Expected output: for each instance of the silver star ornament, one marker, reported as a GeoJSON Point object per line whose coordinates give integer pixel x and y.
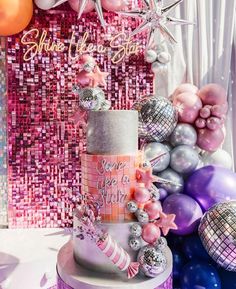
{"type": "Point", "coordinates": [155, 16]}
{"type": "Point", "coordinates": [82, 5]}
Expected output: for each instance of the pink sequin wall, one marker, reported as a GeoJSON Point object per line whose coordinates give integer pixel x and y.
{"type": "Point", "coordinates": [44, 146]}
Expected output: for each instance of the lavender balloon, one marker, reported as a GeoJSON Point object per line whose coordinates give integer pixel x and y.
{"type": "Point", "coordinates": [188, 213]}
{"type": "Point", "coordinates": [210, 185]}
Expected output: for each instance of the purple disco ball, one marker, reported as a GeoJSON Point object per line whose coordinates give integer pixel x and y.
{"type": "Point", "coordinates": [211, 185]}
{"type": "Point", "coordinates": [217, 231]}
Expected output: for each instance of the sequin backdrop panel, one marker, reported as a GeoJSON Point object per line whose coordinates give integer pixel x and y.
{"type": "Point", "coordinates": [3, 135]}
{"type": "Point", "coordinates": [43, 144]}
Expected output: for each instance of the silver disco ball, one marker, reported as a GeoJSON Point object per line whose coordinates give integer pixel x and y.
{"type": "Point", "coordinates": [91, 98]}
{"type": "Point", "coordinates": [217, 231]}
{"type": "Point", "coordinates": [157, 117]}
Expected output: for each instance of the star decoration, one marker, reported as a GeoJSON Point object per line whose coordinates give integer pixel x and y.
{"type": "Point", "coordinates": [98, 8]}
{"type": "Point", "coordinates": [98, 77]}
{"type": "Point", "coordinates": [59, 2]}
{"type": "Point", "coordinates": [156, 17]}
{"type": "Point", "coordinates": [166, 222]}
{"type": "Point", "coordinates": [146, 177]}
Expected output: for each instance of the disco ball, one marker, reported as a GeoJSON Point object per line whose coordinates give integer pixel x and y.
{"type": "Point", "coordinates": [217, 231]}
{"type": "Point", "coordinates": [91, 98]}
{"type": "Point", "coordinates": [157, 117]}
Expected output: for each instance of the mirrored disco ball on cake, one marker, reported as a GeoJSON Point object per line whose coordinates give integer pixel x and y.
{"type": "Point", "coordinates": [217, 231]}
{"type": "Point", "coordinates": [92, 98]}
{"type": "Point", "coordinates": [157, 117]}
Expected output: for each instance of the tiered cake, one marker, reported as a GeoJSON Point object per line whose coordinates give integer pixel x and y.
{"type": "Point", "coordinates": [109, 175]}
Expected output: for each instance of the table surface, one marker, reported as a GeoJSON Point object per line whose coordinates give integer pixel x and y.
{"type": "Point", "coordinates": [28, 257]}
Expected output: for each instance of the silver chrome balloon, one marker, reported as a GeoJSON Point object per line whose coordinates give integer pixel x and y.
{"type": "Point", "coordinates": [152, 261]}
{"type": "Point", "coordinates": [184, 159]}
{"type": "Point", "coordinates": [176, 181]}
{"type": "Point", "coordinates": [217, 231]}
{"type": "Point", "coordinates": [157, 118]}
{"type": "Point", "coordinates": [183, 134]}
{"type": "Point", "coordinates": [159, 152]}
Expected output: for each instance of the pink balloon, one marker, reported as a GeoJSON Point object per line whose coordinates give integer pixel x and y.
{"type": "Point", "coordinates": [200, 123]}
{"type": "Point", "coordinates": [185, 87]}
{"type": "Point", "coordinates": [83, 78]}
{"type": "Point", "coordinates": [219, 110]}
{"type": "Point", "coordinates": [141, 195]}
{"type": "Point", "coordinates": [188, 106]}
{"type": "Point", "coordinates": [150, 233]}
{"type": "Point", "coordinates": [213, 94]}
{"type": "Point", "coordinates": [214, 123]}
{"type": "Point", "coordinates": [114, 5]}
{"type": "Point", "coordinates": [210, 140]}
{"type": "Point", "coordinates": [153, 209]}
{"type": "Point", "coordinates": [74, 4]}
{"type": "Point", "coordinates": [205, 112]}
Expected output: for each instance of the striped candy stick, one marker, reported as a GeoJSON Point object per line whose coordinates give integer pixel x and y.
{"type": "Point", "coordinates": [118, 256]}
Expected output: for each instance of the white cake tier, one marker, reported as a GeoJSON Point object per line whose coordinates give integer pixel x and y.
{"type": "Point", "coordinates": [113, 132]}
{"type": "Point", "coordinates": [78, 277]}
{"type": "Point", "coordinates": [87, 254]}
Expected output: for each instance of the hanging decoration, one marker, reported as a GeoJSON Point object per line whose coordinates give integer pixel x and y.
{"type": "Point", "coordinates": [156, 17]}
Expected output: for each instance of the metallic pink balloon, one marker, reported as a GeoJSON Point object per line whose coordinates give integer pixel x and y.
{"type": "Point", "coordinates": [114, 5]}
{"type": "Point", "coordinates": [210, 140]}
{"type": "Point", "coordinates": [200, 122]}
{"type": "Point", "coordinates": [211, 185]}
{"type": "Point", "coordinates": [213, 94]}
{"type": "Point", "coordinates": [219, 110]}
{"type": "Point", "coordinates": [213, 123]}
{"type": "Point", "coordinates": [153, 209]}
{"type": "Point", "coordinates": [75, 4]}
{"type": "Point", "coordinates": [150, 233]}
{"type": "Point", "coordinates": [188, 106]}
{"type": "Point", "coordinates": [83, 78]}
{"type": "Point", "coordinates": [205, 112]}
{"type": "Point", "coordinates": [187, 211]}
{"type": "Point", "coordinates": [185, 87]}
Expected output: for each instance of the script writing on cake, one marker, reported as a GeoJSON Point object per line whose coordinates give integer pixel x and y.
{"type": "Point", "coordinates": [38, 42]}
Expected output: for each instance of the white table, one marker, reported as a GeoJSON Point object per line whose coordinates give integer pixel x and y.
{"type": "Point", "coordinates": [28, 257]}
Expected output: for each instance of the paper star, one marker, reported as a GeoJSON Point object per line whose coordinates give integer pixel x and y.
{"type": "Point", "coordinates": [166, 222]}
{"type": "Point", "coordinates": [146, 177]}
{"type": "Point", "coordinates": [155, 17]}
{"type": "Point", "coordinates": [98, 77]}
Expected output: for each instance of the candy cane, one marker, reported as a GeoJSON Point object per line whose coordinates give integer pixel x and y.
{"type": "Point", "coordinates": [118, 256]}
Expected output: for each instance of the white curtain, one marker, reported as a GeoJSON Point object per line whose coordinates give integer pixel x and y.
{"type": "Point", "coordinates": [204, 52]}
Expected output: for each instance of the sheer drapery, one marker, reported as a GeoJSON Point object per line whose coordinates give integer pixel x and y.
{"type": "Point", "coordinates": [204, 52]}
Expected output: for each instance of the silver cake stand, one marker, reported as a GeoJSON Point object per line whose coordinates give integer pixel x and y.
{"type": "Point", "coordinates": [77, 277]}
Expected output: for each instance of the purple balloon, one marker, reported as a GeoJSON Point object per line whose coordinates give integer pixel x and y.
{"type": "Point", "coordinates": [210, 185]}
{"type": "Point", "coordinates": [163, 193]}
{"type": "Point", "coordinates": [188, 213]}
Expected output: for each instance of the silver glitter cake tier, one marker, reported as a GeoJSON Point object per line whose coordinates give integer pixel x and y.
{"type": "Point", "coordinates": [113, 132]}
